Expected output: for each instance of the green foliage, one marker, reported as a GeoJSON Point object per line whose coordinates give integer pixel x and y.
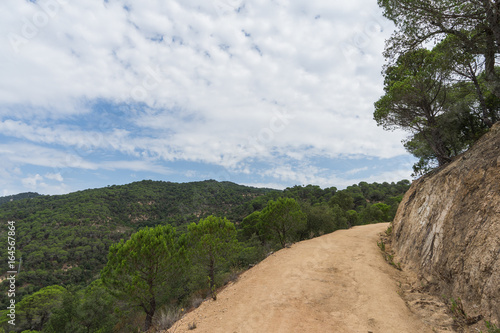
{"type": "Point", "coordinates": [388, 232]}
{"type": "Point", "coordinates": [340, 220]}
{"type": "Point", "coordinates": [252, 251]}
{"type": "Point", "coordinates": [26, 195]}
{"type": "Point", "coordinates": [320, 219]}
{"type": "Point", "coordinates": [214, 247]}
{"type": "Point", "coordinates": [388, 257]}
{"type": "Point", "coordinates": [309, 193]}
{"type": "Point", "coordinates": [283, 220]}
{"type": "Point", "coordinates": [145, 270]}
{"type": "Point", "coordinates": [64, 239]}
{"type": "Point", "coordinates": [251, 225]}
{"type": "Point", "coordinates": [65, 317]}
{"type": "Point", "coordinates": [62, 243]}
{"type": "Point", "coordinates": [343, 199]}
{"type": "Point", "coordinates": [419, 21]}
{"type": "Point", "coordinates": [55, 309]}
{"type": "Point", "coordinates": [457, 309]}
{"type": "Point", "coordinates": [35, 310]}
{"type": "Point", "coordinates": [441, 95]}
{"type": "Point", "coordinates": [353, 218]}
{"type": "Point", "coordinates": [492, 328]}
{"type": "Point", "coordinates": [329, 210]}
{"type": "Point", "coordinates": [96, 308]}
{"type": "Point", "coordinates": [415, 97]}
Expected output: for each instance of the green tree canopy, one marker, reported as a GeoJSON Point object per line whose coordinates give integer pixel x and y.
{"type": "Point", "coordinates": [251, 225]}
{"type": "Point", "coordinates": [88, 310]}
{"type": "Point", "coordinates": [475, 23]}
{"type": "Point", "coordinates": [415, 97]}
{"type": "Point", "coordinates": [284, 220]}
{"type": "Point", "coordinates": [96, 308]}
{"type": "Point", "coordinates": [343, 199]}
{"type": "Point", "coordinates": [144, 269]}
{"type": "Point", "coordinates": [319, 219]}
{"type": "Point", "coordinates": [35, 310]}
{"type": "Point", "coordinates": [442, 96]}
{"type": "Point", "coordinates": [213, 246]}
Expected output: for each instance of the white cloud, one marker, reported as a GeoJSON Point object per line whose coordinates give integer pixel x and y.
{"type": "Point", "coordinates": [26, 153]}
{"type": "Point", "coordinates": [388, 176]}
{"type": "Point", "coordinates": [21, 154]}
{"type": "Point", "coordinates": [135, 166]}
{"type": "Point", "coordinates": [355, 171]}
{"type": "Point", "coordinates": [54, 176]}
{"type": "Point", "coordinates": [276, 186]}
{"type": "Point", "coordinates": [202, 81]}
{"type": "Point", "coordinates": [40, 184]}
{"type": "Point", "coordinates": [32, 181]}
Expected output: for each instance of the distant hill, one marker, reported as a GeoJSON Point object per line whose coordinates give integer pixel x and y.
{"type": "Point", "coordinates": [19, 196]}
{"type": "Point", "coordinates": [64, 239]}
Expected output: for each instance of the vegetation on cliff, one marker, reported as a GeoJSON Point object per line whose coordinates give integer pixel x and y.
{"type": "Point", "coordinates": [447, 96]}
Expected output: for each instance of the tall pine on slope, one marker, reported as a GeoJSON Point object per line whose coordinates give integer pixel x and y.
{"type": "Point", "coordinates": [144, 269]}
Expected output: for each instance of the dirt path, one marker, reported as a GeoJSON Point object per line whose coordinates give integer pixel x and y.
{"type": "Point", "coordinates": [335, 283]}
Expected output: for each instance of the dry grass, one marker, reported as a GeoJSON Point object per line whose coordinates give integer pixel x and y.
{"type": "Point", "coordinates": [192, 326]}
{"type": "Point", "coordinates": [166, 318]}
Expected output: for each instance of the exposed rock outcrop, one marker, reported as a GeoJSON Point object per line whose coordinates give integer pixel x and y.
{"type": "Point", "coordinates": [448, 228]}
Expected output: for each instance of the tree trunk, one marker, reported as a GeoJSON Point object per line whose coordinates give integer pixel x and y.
{"type": "Point", "coordinates": [484, 109]}
{"type": "Point", "coordinates": [435, 140]}
{"type": "Point", "coordinates": [149, 314]}
{"type": "Point", "coordinates": [211, 275]}
{"type": "Point", "coordinates": [493, 16]}
{"type": "Point", "coordinates": [440, 150]}
{"type": "Point", "coordinates": [43, 320]}
{"type": "Point", "coordinates": [283, 235]}
{"type": "Point", "coordinates": [492, 78]}
{"type": "Point", "coordinates": [282, 242]}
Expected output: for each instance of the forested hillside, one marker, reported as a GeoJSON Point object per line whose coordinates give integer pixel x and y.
{"type": "Point", "coordinates": [19, 196]}
{"type": "Point", "coordinates": [64, 240]}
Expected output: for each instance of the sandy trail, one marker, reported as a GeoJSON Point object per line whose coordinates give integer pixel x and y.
{"type": "Point", "coordinates": [335, 283]}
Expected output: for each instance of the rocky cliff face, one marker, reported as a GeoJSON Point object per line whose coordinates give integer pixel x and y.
{"type": "Point", "coordinates": [448, 228]}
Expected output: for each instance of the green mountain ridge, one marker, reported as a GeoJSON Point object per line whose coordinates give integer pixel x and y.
{"type": "Point", "coordinates": [64, 239]}
{"type": "Point", "coordinates": [20, 196]}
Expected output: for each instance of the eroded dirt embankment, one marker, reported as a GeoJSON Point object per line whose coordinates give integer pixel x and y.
{"type": "Point", "coordinates": [335, 283]}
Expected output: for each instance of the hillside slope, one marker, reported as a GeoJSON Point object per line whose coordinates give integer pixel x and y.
{"type": "Point", "coordinates": [338, 282]}
{"type": "Point", "coordinates": [448, 226]}
{"type": "Point", "coordinates": [64, 239]}
{"type": "Point", "coordinates": [20, 196]}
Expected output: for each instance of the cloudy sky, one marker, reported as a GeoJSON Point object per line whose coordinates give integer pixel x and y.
{"type": "Point", "coordinates": [269, 93]}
